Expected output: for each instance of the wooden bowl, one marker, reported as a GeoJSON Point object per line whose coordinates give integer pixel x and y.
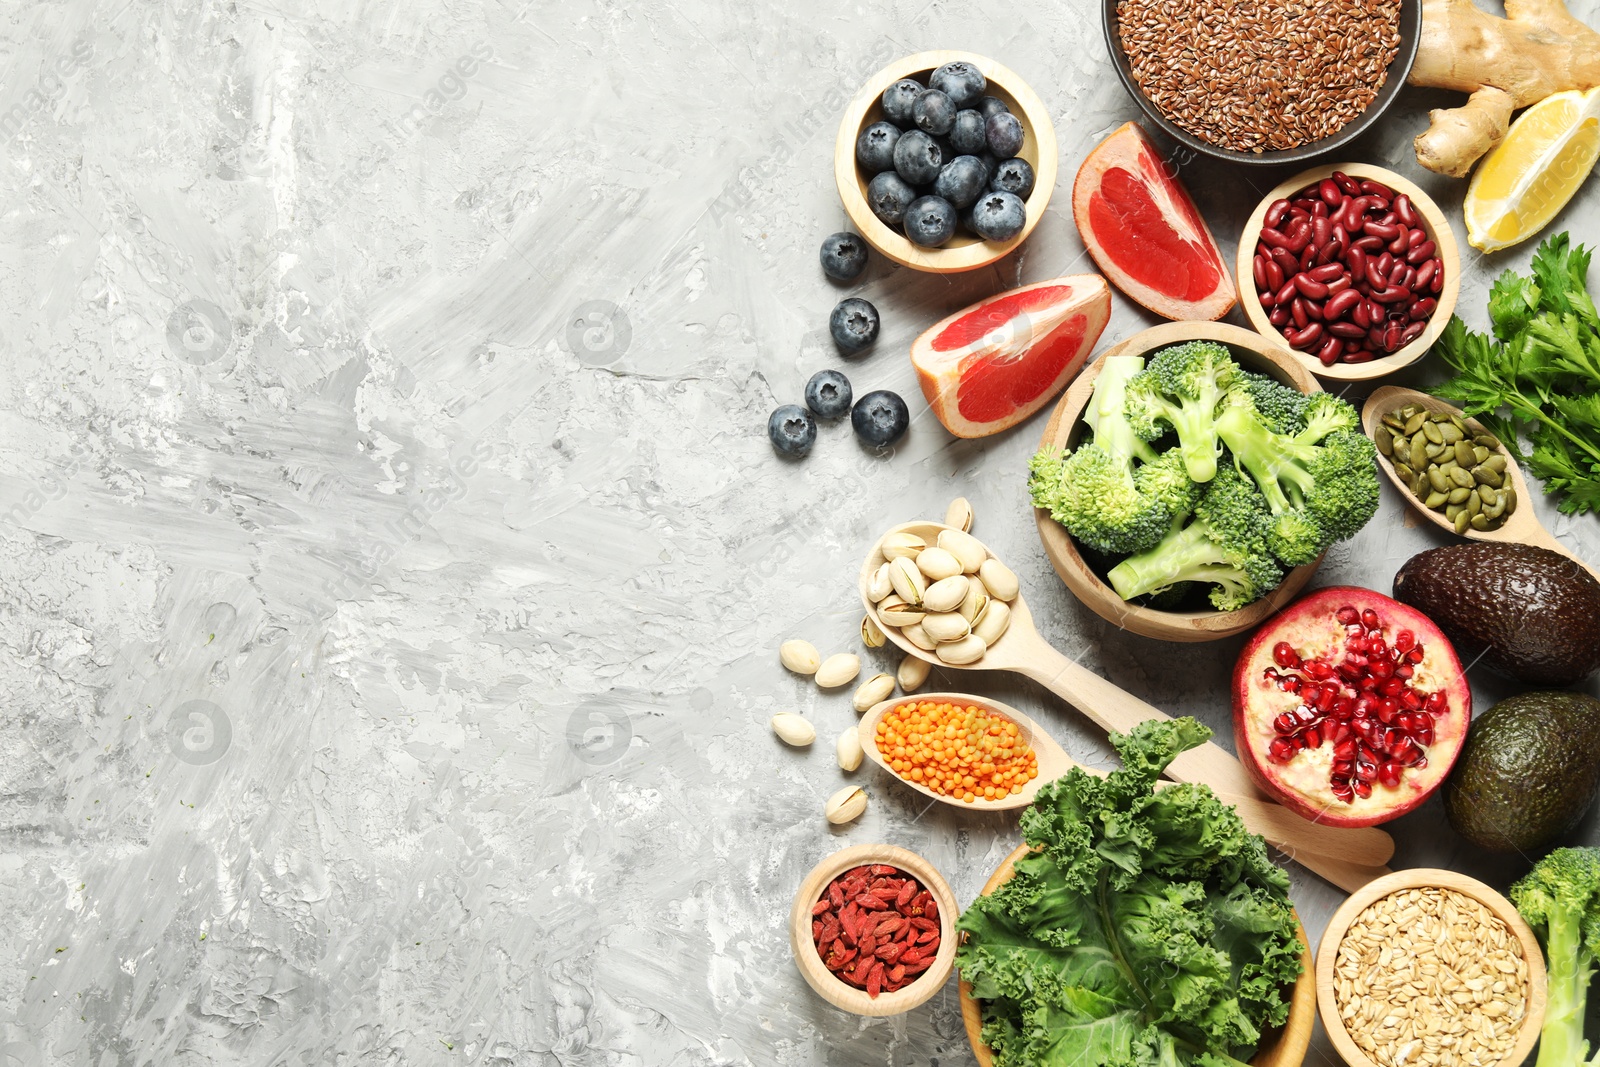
{"type": "Point", "coordinates": [840, 993]}
{"type": "Point", "coordinates": [1254, 353]}
{"type": "Point", "coordinates": [1423, 877]}
{"type": "Point", "coordinates": [963, 251]}
{"type": "Point", "coordinates": [1433, 220]}
{"type": "Point", "coordinates": [1286, 1048]}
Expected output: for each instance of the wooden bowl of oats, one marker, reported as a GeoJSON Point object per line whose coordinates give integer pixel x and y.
{"type": "Point", "coordinates": [1428, 966]}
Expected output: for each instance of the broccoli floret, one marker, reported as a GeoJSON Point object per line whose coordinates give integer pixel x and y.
{"type": "Point", "coordinates": [1318, 493]}
{"type": "Point", "coordinates": [1114, 494]}
{"type": "Point", "coordinates": [1225, 545]}
{"type": "Point", "coordinates": [1560, 898]}
{"type": "Point", "coordinates": [1323, 414]}
{"type": "Point", "coordinates": [1280, 406]}
{"type": "Point", "coordinates": [1182, 388]}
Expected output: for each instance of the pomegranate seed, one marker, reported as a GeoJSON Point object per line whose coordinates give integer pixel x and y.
{"type": "Point", "coordinates": [1389, 774]}
{"type": "Point", "coordinates": [1421, 762]}
{"type": "Point", "coordinates": [1357, 641]}
{"type": "Point", "coordinates": [1281, 750]}
{"type": "Point", "coordinates": [1285, 724]}
{"type": "Point", "coordinates": [1369, 619]}
{"type": "Point", "coordinates": [1386, 713]}
{"type": "Point", "coordinates": [1423, 734]}
{"type": "Point", "coordinates": [1437, 703]}
{"type": "Point", "coordinates": [1342, 791]}
{"type": "Point", "coordinates": [1392, 687]}
{"type": "Point", "coordinates": [1341, 733]}
{"type": "Point", "coordinates": [1365, 771]}
{"type": "Point", "coordinates": [1313, 737]}
{"type": "Point", "coordinates": [1408, 753]}
{"type": "Point", "coordinates": [1347, 615]}
{"type": "Point", "coordinates": [1304, 715]}
{"type": "Point", "coordinates": [1364, 754]}
{"type": "Point", "coordinates": [1415, 655]}
{"type": "Point", "coordinates": [1325, 698]}
{"type": "Point", "coordinates": [1319, 670]}
{"type": "Point", "coordinates": [1362, 789]}
{"type": "Point", "coordinates": [1376, 647]}
{"type": "Point", "coordinates": [1405, 670]}
{"type": "Point", "coordinates": [1343, 768]}
{"type": "Point", "coordinates": [1284, 655]}
{"type": "Point", "coordinates": [1404, 640]}
{"type": "Point", "coordinates": [1291, 684]}
{"type": "Point", "coordinates": [1343, 708]}
{"type": "Point", "coordinates": [1365, 704]}
{"type": "Point", "coordinates": [1381, 668]}
{"type": "Point", "coordinates": [1354, 631]}
{"type": "Point", "coordinates": [1270, 674]}
{"type": "Point", "coordinates": [1344, 749]}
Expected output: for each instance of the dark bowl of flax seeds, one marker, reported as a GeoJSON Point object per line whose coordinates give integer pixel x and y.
{"type": "Point", "coordinates": [1263, 81]}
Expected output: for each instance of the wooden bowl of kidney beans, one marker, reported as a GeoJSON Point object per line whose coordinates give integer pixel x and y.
{"type": "Point", "coordinates": [1353, 267]}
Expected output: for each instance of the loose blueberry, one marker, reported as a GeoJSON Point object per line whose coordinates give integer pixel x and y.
{"type": "Point", "coordinates": [967, 136]}
{"type": "Point", "coordinates": [897, 101]}
{"type": "Point", "coordinates": [880, 418]}
{"type": "Point", "coordinates": [854, 324]}
{"type": "Point", "coordinates": [917, 158]}
{"type": "Point", "coordinates": [1004, 133]}
{"type": "Point", "coordinates": [844, 256]}
{"type": "Point", "coordinates": [1013, 176]}
{"type": "Point", "coordinates": [888, 195]}
{"type": "Point", "coordinates": [961, 82]}
{"type": "Point", "coordinates": [875, 147]}
{"type": "Point", "coordinates": [792, 429]}
{"type": "Point", "coordinates": [828, 394]}
{"type": "Point", "coordinates": [997, 216]}
{"type": "Point", "coordinates": [933, 112]}
{"type": "Point", "coordinates": [961, 181]}
{"type": "Point", "coordinates": [990, 106]}
{"type": "Point", "coordinates": [930, 221]}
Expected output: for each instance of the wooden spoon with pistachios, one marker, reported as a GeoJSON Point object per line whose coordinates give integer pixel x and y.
{"type": "Point", "coordinates": [1519, 524]}
{"type": "Point", "coordinates": [1018, 647]}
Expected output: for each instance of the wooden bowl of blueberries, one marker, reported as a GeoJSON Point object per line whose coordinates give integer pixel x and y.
{"type": "Point", "coordinates": [945, 161]}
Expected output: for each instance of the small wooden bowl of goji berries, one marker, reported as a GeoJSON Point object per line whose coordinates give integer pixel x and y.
{"type": "Point", "coordinates": [873, 930]}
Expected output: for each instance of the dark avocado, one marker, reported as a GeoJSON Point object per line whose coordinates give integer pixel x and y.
{"type": "Point", "coordinates": [1528, 772]}
{"type": "Point", "coordinates": [1527, 612]}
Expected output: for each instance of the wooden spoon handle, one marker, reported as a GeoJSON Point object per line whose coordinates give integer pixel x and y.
{"type": "Point", "coordinates": [1365, 846]}
{"type": "Point", "coordinates": [1539, 536]}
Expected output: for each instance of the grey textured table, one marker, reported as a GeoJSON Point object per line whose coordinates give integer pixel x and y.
{"type": "Point", "coordinates": [394, 560]}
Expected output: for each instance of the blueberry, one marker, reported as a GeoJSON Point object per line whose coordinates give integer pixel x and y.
{"type": "Point", "coordinates": [960, 81]}
{"type": "Point", "coordinates": [1004, 133]}
{"type": "Point", "coordinates": [917, 158]}
{"type": "Point", "coordinates": [897, 101]}
{"type": "Point", "coordinates": [888, 195]}
{"type": "Point", "coordinates": [875, 147]}
{"type": "Point", "coordinates": [961, 181]}
{"type": "Point", "coordinates": [1013, 176]}
{"type": "Point", "coordinates": [828, 394]}
{"type": "Point", "coordinates": [792, 429]}
{"type": "Point", "coordinates": [990, 106]}
{"type": "Point", "coordinates": [880, 418]}
{"type": "Point", "coordinates": [854, 324]}
{"type": "Point", "coordinates": [933, 112]}
{"type": "Point", "coordinates": [930, 221]}
{"type": "Point", "coordinates": [997, 216]}
{"type": "Point", "coordinates": [967, 136]}
{"type": "Point", "coordinates": [844, 256]}
{"type": "Point", "coordinates": [990, 161]}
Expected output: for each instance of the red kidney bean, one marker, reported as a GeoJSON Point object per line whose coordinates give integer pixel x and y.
{"type": "Point", "coordinates": [1369, 242]}
{"type": "Point", "coordinates": [1422, 252]}
{"type": "Point", "coordinates": [1391, 337]}
{"type": "Point", "coordinates": [1424, 275]}
{"type": "Point", "coordinates": [1303, 339]}
{"type": "Point", "coordinates": [1375, 311]}
{"type": "Point", "coordinates": [1327, 272]}
{"type": "Point", "coordinates": [1373, 188]}
{"type": "Point", "coordinates": [1268, 298]}
{"type": "Point", "coordinates": [1358, 356]}
{"type": "Point", "coordinates": [1398, 246]}
{"type": "Point", "coordinates": [1375, 275]}
{"type": "Point", "coordinates": [1275, 277]}
{"type": "Point", "coordinates": [1397, 275]}
{"type": "Point", "coordinates": [1273, 237]}
{"type": "Point", "coordinates": [1321, 231]}
{"type": "Point", "coordinates": [1356, 260]}
{"type": "Point", "coordinates": [1330, 192]}
{"type": "Point", "coordinates": [1410, 280]}
{"type": "Point", "coordinates": [1360, 315]}
{"type": "Point", "coordinates": [1348, 185]}
{"type": "Point", "coordinates": [1339, 284]}
{"type": "Point", "coordinates": [1412, 332]}
{"type": "Point", "coordinates": [1297, 312]}
{"type": "Point", "coordinates": [1313, 309]}
{"type": "Point", "coordinates": [1375, 337]}
{"type": "Point", "coordinates": [1258, 269]}
{"type": "Point", "coordinates": [1275, 212]}
{"type": "Point", "coordinates": [1415, 238]}
{"type": "Point", "coordinates": [1279, 317]}
{"type": "Point", "coordinates": [1390, 296]}
{"type": "Point", "coordinates": [1437, 284]}
{"type": "Point", "coordinates": [1379, 230]}
{"type": "Point", "coordinates": [1341, 304]}
{"type": "Point", "coordinates": [1407, 213]}
{"type": "Point", "coordinates": [1332, 348]}
{"type": "Point", "coordinates": [1421, 309]}
{"type": "Point", "coordinates": [1308, 258]}
{"type": "Point", "coordinates": [1286, 292]}
{"type": "Point", "coordinates": [1385, 264]}
{"type": "Point", "coordinates": [1348, 331]}
{"type": "Point", "coordinates": [1286, 263]}
{"type": "Point", "coordinates": [1310, 287]}
{"type": "Point", "coordinates": [1319, 210]}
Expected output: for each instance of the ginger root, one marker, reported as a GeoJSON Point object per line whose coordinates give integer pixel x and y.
{"type": "Point", "coordinates": [1505, 63]}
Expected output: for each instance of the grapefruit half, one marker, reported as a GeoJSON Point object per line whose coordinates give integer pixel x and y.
{"type": "Point", "coordinates": [989, 366]}
{"type": "Point", "coordinates": [1143, 230]}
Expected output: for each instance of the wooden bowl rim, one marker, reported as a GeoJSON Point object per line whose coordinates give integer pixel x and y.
{"type": "Point", "coordinates": [1059, 545]}
{"type": "Point", "coordinates": [1295, 1030]}
{"type": "Point", "coordinates": [1434, 221]}
{"type": "Point", "coordinates": [1417, 878]}
{"type": "Point", "coordinates": [848, 997]}
{"type": "Point", "coordinates": [951, 258]}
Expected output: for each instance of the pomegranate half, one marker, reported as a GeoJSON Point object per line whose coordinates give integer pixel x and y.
{"type": "Point", "coordinates": [1143, 230]}
{"type": "Point", "coordinates": [1350, 708]}
{"type": "Point", "coordinates": [994, 363]}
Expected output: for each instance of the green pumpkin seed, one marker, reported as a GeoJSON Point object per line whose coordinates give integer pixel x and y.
{"type": "Point", "coordinates": [1414, 423]}
{"type": "Point", "coordinates": [1487, 440]}
{"type": "Point", "coordinates": [1419, 452]}
{"type": "Point", "coordinates": [1431, 431]}
{"type": "Point", "coordinates": [1385, 441]}
{"type": "Point", "coordinates": [1496, 462]}
{"type": "Point", "coordinates": [1462, 478]}
{"type": "Point", "coordinates": [1436, 498]}
{"type": "Point", "coordinates": [1462, 521]}
{"type": "Point", "coordinates": [1464, 454]}
{"type": "Point", "coordinates": [1437, 479]}
{"type": "Point", "coordinates": [1394, 422]}
{"type": "Point", "coordinates": [1417, 484]}
{"type": "Point", "coordinates": [1488, 494]}
{"type": "Point", "coordinates": [1510, 495]}
{"type": "Point", "coordinates": [1479, 522]}
{"type": "Point", "coordinates": [1451, 433]}
{"type": "Point", "coordinates": [1474, 504]}
{"type": "Point", "coordinates": [1452, 510]}
{"type": "Point", "coordinates": [1495, 510]}
{"type": "Point", "coordinates": [1403, 470]}
{"type": "Point", "coordinates": [1433, 451]}
{"type": "Point", "coordinates": [1457, 495]}
{"type": "Point", "coordinates": [1489, 476]}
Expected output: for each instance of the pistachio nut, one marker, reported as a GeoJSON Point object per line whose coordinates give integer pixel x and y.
{"type": "Point", "coordinates": [874, 690]}
{"type": "Point", "coordinates": [945, 626]}
{"type": "Point", "coordinates": [976, 600]}
{"type": "Point", "coordinates": [871, 632]}
{"type": "Point", "coordinates": [799, 656]}
{"type": "Point", "coordinates": [846, 805]}
{"type": "Point", "coordinates": [947, 593]}
{"type": "Point", "coordinates": [907, 579]}
{"type": "Point", "coordinates": [965, 548]}
{"type": "Point", "coordinates": [879, 586]}
{"type": "Point", "coordinates": [793, 730]}
{"type": "Point", "coordinates": [838, 669]}
{"type": "Point", "coordinates": [919, 637]}
{"type": "Point", "coordinates": [969, 649]}
{"type": "Point", "coordinates": [912, 674]}
{"type": "Point", "coordinates": [959, 514]}
{"type": "Point", "coordinates": [993, 623]}
{"type": "Point", "coordinates": [937, 563]}
{"type": "Point", "coordinates": [899, 614]}
{"type": "Point", "coordinates": [998, 579]}
{"type": "Point", "coordinates": [896, 545]}
{"type": "Point", "coordinates": [849, 751]}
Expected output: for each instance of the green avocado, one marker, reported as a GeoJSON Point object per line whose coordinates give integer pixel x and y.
{"type": "Point", "coordinates": [1528, 772]}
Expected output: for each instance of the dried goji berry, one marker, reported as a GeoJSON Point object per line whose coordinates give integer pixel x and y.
{"type": "Point", "coordinates": [889, 953]}
{"type": "Point", "coordinates": [896, 973]}
{"type": "Point", "coordinates": [888, 926]}
{"type": "Point", "coordinates": [907, 891]}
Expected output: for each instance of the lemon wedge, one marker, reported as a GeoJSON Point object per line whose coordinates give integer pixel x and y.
{"type": "Point", "coordinates": [1530, 176]}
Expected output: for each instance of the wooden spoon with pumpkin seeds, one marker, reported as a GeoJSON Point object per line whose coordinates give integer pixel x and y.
{"type": "Point", "coordinates": [1517, 522]}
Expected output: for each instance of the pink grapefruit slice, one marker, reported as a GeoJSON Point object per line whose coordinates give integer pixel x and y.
{"type": "Point", "coordinates": [1143, 230]}
{"type": "Point", "coordinates": [990, 366]}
